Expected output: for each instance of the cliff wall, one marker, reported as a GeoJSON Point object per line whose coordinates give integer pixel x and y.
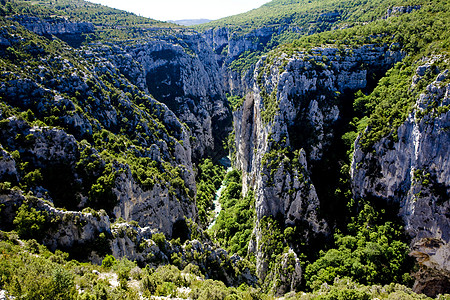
{"type": "Point", "coordinates": [287, 121]}
{"type": "Point", "coordinates": [414, 171]}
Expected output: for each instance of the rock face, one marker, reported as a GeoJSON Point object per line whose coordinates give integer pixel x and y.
{"type": "Point", "coordinates": [414, 171]}
{"type": "Point", "coordinates": [90, 234]}
{"type": "Point", "coordinates": [181, 72]}
{"type": "Point", "coordinates": [70, 32]}
{"type": "Point", "coordinates": [53, 26]}
{"type": "Point", "coordinates": [287, 274]}
{"type": "Point", "coordinates": [398, 10]}
{"type": "Point", "coordinates": [82, 97]}
{"type": "Point", "coordinates": [64, 229]}
{"type": "Point", "coordinates": [286, 121]}
{"type": "Point", "coordinates": [155, 208]}
{"type": "Point", "coordinates": [228, 45]}
{"type": "Point", "coordinates": [51, 149]}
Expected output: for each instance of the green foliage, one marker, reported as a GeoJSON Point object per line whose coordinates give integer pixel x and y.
{"type": "Point", "coordinates": [234, 225]}
{"type": "Point", "coordinates": [163, 281]}
{"type": "Point", "coordinates": [374, 253]}
{"type": "Point", "coordinates": [235, 101]}
{"type": "Point", "coordinates": [245, 61]}
{"type": "Point", "coordinates": [109, 261]}
{"type": "Point", "coordinates": [209, 179]}
{"type": "Point", "coordinates": [270, 101]}
{"type": "Point", "coordinates": [272, 242]}
{"type": "Point", "coordinates": [392, 101]}
{"type": "Point", "coordinates": [110, 24]}
{"type": "Point", "coordinates": [209, 289]}
{"type": "Point", "coordinates": [33, 178]}
{"type": "Point", "coordinates": [160, 240]}
{"type": "Point", "coordinates": [29, 222]}
{"type": "Point", "coordinates": [166, 289]}
{"type": "Point", "coordinates": [345, 288]}
{"type": "Point", "coordinates": [29, 276]}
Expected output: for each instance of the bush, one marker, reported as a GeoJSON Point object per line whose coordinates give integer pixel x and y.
{"type": "Point", "coordinates": [166, 289]}
{"type": "Point", "coordinates": [374, 253]}
{"type": "Point", "coordinates": [160, 240]}
{"type": "Point", "coordinates": [29, 222]}
{"type": "Point", "coordinates": [109, 261]}
{"type": "Point", "coordinates": [211, 290]}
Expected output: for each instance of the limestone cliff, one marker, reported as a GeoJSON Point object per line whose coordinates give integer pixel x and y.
{"type": "Point", "coordinates": [71, 32]}
{"type": "Point", "coordinates": [180, 71]}
{"type": "Point", "coordinates": [413, 170]}
{"type": "Point", "coordinates": [89, 234]}
{"type": "Point", "coordinates": [286, 122]}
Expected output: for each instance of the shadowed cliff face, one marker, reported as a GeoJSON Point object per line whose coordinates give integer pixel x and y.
{"type": "Point", "coordinates": [180, 72]}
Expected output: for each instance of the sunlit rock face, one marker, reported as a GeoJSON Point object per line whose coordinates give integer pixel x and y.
{"type": "Point", "coordinates": [295, 104]}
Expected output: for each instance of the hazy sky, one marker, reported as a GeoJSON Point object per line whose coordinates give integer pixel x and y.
{"type": "Point", "coordinates": [184, 9]}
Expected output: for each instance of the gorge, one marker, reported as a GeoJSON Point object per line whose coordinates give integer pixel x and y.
{"type": "Point", "coordinates": [335, 115]}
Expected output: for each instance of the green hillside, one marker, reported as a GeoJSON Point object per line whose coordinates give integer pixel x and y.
{"type": "Point", "coordinates": [110, 24]}
{"type": "Point", "coordinates": [309, 16]}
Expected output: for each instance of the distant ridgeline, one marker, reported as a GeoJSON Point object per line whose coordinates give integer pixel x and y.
{"type": "Point", "coordinates": [334, 114]}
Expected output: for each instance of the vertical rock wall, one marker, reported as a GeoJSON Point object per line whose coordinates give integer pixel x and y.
{"type": "Point", "coordinates": [286, 121]}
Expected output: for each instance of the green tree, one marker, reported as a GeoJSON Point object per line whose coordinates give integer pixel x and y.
{"type": "Point", "coordinates": [29, 222]}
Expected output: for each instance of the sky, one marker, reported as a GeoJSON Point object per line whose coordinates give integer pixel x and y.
{"type": "Point", "coordinates": [165, 10]}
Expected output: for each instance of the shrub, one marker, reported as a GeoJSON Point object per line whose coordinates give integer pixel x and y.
{"type": "Point", "coordinates": [109, 261]}
{"type": "Point", "coordinates": [29, 222]}
{"type": "Point", "coordinates": [211, 290]}
{"type": "Point", "coordinates": [166, 289]}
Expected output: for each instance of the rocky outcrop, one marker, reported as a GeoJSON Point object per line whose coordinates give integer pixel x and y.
{"type": "Point", "coordinates": [156, 208]}
{"type": "Point", "coordinates": [71, 32]}
{"type": "Point", "coordinates": [287, 274]}
{"type": "Point", "coordinates": [90, 234]}
{"type": "Point", "coordinates": [62, 229]}
{"type": "Point", "coordinates": [398, 10]}
{"type": "Point", "coordinates": [53, 26]}
{"type": "Point", "coordinates": [82, 97]}
{"type": "Point", "coordinates": [8, 170]}
{"type": "Point", "coordinates": [414, 171]}
{"type": "Point", "coordinates": [48, 148]}
{"type": "Point", "coordinates": [287, 121]}
{"type": "Point", "coordinates": [229, 44]}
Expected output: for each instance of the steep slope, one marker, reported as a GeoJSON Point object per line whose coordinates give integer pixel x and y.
{"type": "Point", "coordinates": [285, 125]}
{"type": "Point", "coordinates": [69, 124]}
{"type": "Point", "coordinates": [84, 144]}
{"type": "Point", "coordinates": [411, 167]}
{"type": "Point", "coordinates": [143, 50]}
